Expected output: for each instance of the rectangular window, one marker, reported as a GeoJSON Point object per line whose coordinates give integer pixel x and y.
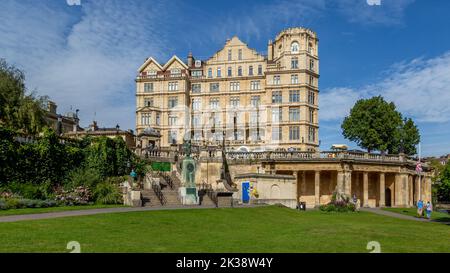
{"type": "Point", "coordinates": [196, 104]}
{"type": "Point", "coordinates": [277, 115]}
{"type": "Point", "coordinates": [311, 97]}
{"type": "Point", "coordinates": [294, 63]}
{"type": "Point", "coordinates": [209, 72]}
{"type": "Point", "coordinates": [148, 87]}
{"type": "Point", "coordinates": [219, 72]}
{"type": "Point", "coordinates": [311, 65]}
{"type": "Point", "coordinates": [234, 102]}
{"type": "Point", "coordinates": [240, 54]}
{"type": "Point", "coordinates": [255, 85]}
{"type": "Point", "coordinates": [196, 120]}
{"type": "Point", "coordinates": [214, 87]}
{"type": "Point", "coordinates": [234, 86]}
{"type": "Point", "coordinates": [311, 80]}
{"type": "Point", "coordinates": [259, 69]}
{"type": "Point", "coordinates": [173, 102]}
{"type": "Point", "coordinates": [214, 103]}
{"type": "Point", "coordinates": [276, 133]}
{"type": "Point", "coordinates": [239, 71]}
{"type": "Point", "coordinates": [255, 101]}
{"type": "Point", "coordinates": [312, 134]}
{"type": "Point", "coordinates": [173, 137]}
{"type": "Point", "coordinates": [175, 72]}
{"type": "Point", "coordinates": [158, 119]}
{"type": "Point", "coordinates": [196, 73]}
{"type": "Point", "coordinates": [173, 86]}
{"type": "Point", "coordinates": [311, 115]}
{"type": "Point", "coordinates": [294, 114]}
{"type": "Point", "coordinates": [294, 79]}
{"type": "Point", "coordinates": [173, 120]}
{"type": "Point", "coordinates": [276, 97]}
{"type": "Point", "coordinates": [276, 79]}
{"type": "Point", "coordinates": [196, 88]}
{"type": "Point", "coordinates": [229, 54]}
{"type": "Point", "coordinates": [254, 117]}
{"type": "Point", "coordinates": [148, 102]}
{"type": "Point", "coordinates": [250, 70]}
{"type": "Point", "coordinates": [294, 133]}
{"type": "Point", "coordinates": [294, 95]}
{"type": "Point", "coordinates": [146, 118]}
{"type": "Point", "coordinates": [230, 72]}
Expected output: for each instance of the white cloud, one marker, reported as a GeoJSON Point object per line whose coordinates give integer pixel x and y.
{"type": "Point", "coordinates": [420, 89]}
{"type": "Point", "coordinates": [84, 56]}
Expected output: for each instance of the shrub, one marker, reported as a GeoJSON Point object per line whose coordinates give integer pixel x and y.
{"type": "Point", "coordinates": [77, 196]}
{"type": "Point", "coordinates": [83, 177]}
{"type": "Point", "coordinates": [339, 203]}
{"type": "Point", "coordinates": [107, 193]}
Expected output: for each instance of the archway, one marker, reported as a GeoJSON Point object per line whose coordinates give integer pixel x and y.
{"type": "Point", "coordinates": [387, 196]}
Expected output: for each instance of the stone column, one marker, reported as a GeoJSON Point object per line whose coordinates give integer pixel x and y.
{"type": "Point", "coordinates": [382, 190]}
{"type": "Point", "coordinates": [303, 186]}
{"type": "Point", "coordinates": [317, 188]}
{"type": "Point", "coordinates": [348, 183]}
{"type": "Point", "coordinates": [340, 182]}
{"type": "Point", "coordinates": [366, 189]}
{"type": "Point", "coordinates": [406, 189]}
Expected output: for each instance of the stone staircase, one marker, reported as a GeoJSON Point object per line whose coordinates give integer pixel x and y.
{"type": "Point", "coordinates": [149, 199]}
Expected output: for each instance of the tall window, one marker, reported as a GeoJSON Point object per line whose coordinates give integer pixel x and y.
{"type": "Point", "coordinates": [148, 87]}
{"type": "Point", "coordinates": [294, 95]}
{"type": "Point", "coordinates": [234, 102]}
{"type": "Point", "coordinates": [173, 137]}
{"type": "Point", "coordinates": [259, 69]}
{"type": "Point", "coordinates": [276, 133]}
{"type": "Point", "coordinates": [312, 134]}
{"type": "Point", "coordinates": [250, 70]}
{"type": "Point", "coordinates": [255, 101]}
{"type": "Point", "coordinates": [294, 63]}
{"type": "Point", "coordinates": [240, 71]}
{"type": "Point", "coordinates": [311, 97]}
{"type": "Point", "coordinates": [229, 71]}
{"type": "Point", "coordinates": [229, 54]}
{"type": "Point", "coordinates": [158, 119]}
{"type": "Point", "coordinates": [196, 104]}
{"type": "Point", "coordinates": [219, 72]}
{"type": "Point", "coordinates": [294, 132]}
{"type": "Point", "coordinates": [209, 72]}
{"type": "Point", "coordinates": [146, 118]}
{"type": "Point", "coordinates": [172, 102]}
{"type": "Point", "coordinates": [294, 47]}
{"type": "Point", "coordinates": [240, 54]}
{"type": "Point", "coordinates": [294, 114]}
{"type": "Point", "coordinates": [277, 97]}
{"type": "Point", "coordinates": [234, 86]}
{"type": "Point", "coordinates": [311, 115]}
{"type": "Point", "coordinates": [255, 85]}
{"type": "Point", "coordinates": [311, 64]}
{"type": "Point", "coordinates": [173, 86]}
{"type": "Point", "coordinates": [294, 79]}
{"type": "Point", "coordinates": [196, 120]}
{"type": "Point", "coordinates": [310, 48]}
{"type": "Point", "coordinates": [277, 115]}
{"type": "Point", "coordinates": [214, 87]}
{"type": "Point", "coordinates": [214, 103]}
{"type": "Point", "coordinates": [148, 102]}
{"type": "Point", "coordinates": [173, 120]}
{"type": "Point", "coordinates": [276, 79]}
{"type": "Point", "coordinates": [311, 80]}
{"type": "Point", "coordinates": [196, 88]}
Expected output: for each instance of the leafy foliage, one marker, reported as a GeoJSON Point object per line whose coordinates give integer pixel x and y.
{"type": "Point", "coordinates": [443, 186]}
{"type": "Point", "coordinates": [107, 193]}
{"type": "Point", "coordinates": [375, 124]}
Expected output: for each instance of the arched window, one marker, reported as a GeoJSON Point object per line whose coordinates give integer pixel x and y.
{"type": "Point", "coordinates": [295, 47]}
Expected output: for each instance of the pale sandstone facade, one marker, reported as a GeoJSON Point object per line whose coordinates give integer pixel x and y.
{"type": "Point", "coordinates": [257, 101]}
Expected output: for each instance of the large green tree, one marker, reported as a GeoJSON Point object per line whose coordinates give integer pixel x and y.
{"type": "Point", "coordinates": [443, 184]}
{"type": "Point", "coordinates": [375, 124]}
{"type": "Point", "coordinates": [19, 110]}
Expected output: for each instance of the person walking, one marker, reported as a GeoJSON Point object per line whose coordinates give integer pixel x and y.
{"type": "Point", "coordinates": [420, 208]}
{"type": "Point", "coordinates": [429, 209]}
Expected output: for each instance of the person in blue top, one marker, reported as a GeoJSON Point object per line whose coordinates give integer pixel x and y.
{"type": "Point", "coordinates": [420, 208]}
{"type": "Point", "coordinates": [133, 174]}
{"type": "Point", "coordinates": [429, 209]}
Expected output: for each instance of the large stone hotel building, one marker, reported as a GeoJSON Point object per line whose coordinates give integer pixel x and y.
{"type": "Point", "coordinates": [258, 102]}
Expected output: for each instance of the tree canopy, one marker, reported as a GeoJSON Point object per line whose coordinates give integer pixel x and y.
{"type": "Point", "coordinates": [375, 124]}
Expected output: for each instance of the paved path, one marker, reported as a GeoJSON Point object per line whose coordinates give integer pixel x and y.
{"type": "Point", "coordinates": [50, 215]}
{"type": "Point", "coordinates": [399, 215]}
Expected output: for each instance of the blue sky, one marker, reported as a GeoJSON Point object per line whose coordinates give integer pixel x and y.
{"type": "Point", "coordinates": [86, 55]}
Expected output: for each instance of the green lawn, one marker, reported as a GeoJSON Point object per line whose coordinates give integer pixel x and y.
{"type": "Point", "coordinates": [438, 216]}
{"type": "Point", "coordinates": [53, 209]}
{"type": "Point", "coordinates": [261, 229]}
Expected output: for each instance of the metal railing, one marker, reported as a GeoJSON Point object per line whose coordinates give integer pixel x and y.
{"type": "Point", "coordinates": [157, 189]}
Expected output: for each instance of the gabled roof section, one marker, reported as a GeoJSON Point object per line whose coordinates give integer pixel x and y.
{"type": "Point", "coordinates": [147, 62]}
{"type": "Point", "coordinates": [234, 42]}
{"type": "Point", "coordinates": [174, 59]}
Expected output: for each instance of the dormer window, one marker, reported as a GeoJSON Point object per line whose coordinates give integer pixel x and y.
{"type": "Point", "coordinates": [198, 63]}
{"type": "Point", "coordinates": [295, 47]}
{"type": "Point", "coordinates": [175, 72]}
{"type": "Point", "coordinates": [151, 73]}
